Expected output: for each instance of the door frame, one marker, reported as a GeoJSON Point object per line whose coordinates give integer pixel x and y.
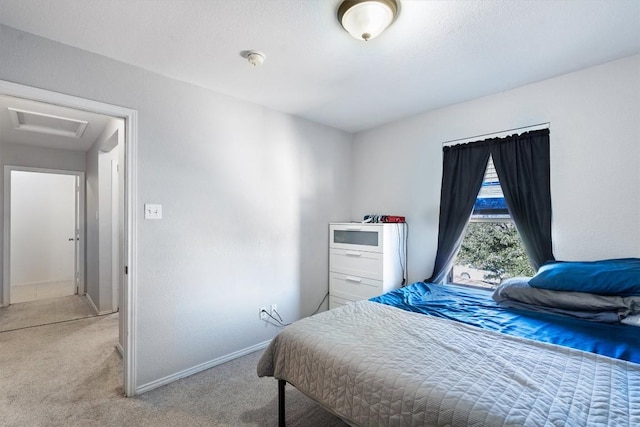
{"type": "Point", "coordinates": [130, 116]}
{"type": "Point", "coordinates": [79, 255]}
{"type": "Point", "coordinates": [116, 260]}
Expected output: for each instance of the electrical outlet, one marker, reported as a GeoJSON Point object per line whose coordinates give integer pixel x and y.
{"type": "Point", "coordinates": [274, 308]}
{"type": "Point", "coordinates": [263, 313]}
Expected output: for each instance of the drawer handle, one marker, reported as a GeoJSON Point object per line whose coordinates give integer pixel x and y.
{"type": "Point", "coordinates": [353, 279]}
{"type": "Point", "coordinates": [353, 253]}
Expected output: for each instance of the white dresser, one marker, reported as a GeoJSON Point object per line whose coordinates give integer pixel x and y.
{"type": "Point", "coordinates": [365, 260]}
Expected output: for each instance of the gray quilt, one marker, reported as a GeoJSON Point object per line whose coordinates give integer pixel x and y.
{"type": "Point", "coordinates": [375, 365]}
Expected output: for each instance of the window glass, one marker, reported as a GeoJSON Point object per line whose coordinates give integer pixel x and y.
{"type": "Point", "coordinates": [491, 250]}
{"type": "Point", "coordinates": [490, 203]}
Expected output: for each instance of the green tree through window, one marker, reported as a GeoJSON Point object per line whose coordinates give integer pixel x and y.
{"type": "Point", "coordinates": [496, 249]}
{"type": "Point", "coordinates": [492, 250]}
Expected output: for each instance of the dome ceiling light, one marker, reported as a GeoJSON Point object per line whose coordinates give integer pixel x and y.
{"type": "Point", "coordinates": [367, 19]}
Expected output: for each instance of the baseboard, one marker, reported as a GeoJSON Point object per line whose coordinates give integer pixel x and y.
{"type": "Point", "coordinates": [37, 291]}
{"type": "Point", "coordinates": [44, 283]}
{"type": "Point", "coordinates": [95, 308]}
{"type": "Point", "coordinates": [120, 350]}
{"type": "Point", "coordinates": [199, 368]}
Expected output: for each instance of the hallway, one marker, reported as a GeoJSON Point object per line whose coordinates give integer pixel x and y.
{"type": "Point", "coordinates": [44, 312]}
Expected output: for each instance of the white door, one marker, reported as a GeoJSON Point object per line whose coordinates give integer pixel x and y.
{"type": "Point", "coordinates": [43, 236]}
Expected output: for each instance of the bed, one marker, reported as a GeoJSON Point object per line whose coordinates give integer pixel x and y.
{"type": "Point", "coordinates": [400, 360]}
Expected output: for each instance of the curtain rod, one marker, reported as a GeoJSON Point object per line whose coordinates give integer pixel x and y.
{"type": "Point", "coordinates": [545, 125]}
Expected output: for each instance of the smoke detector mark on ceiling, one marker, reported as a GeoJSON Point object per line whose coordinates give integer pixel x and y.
{"type": "Point", "coordinates": [255, 58]}
{"type": "Point", "coordinates": [47, 123]}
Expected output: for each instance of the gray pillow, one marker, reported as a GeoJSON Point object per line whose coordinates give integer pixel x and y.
{"type": "Point", "coordinates": [591, 316]}
{"type": "Point", "coordinates": [518, 289]}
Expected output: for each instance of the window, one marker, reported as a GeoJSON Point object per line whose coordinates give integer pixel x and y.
{"type": "Point", "coordinates": [491, 249]}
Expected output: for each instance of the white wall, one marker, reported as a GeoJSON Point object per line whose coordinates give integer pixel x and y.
{"type": "Point", "coordinates": [595, 161]}
{"type": "Point", "coordinates": [107, 223]}
{"type": "Point", "coordinates": [39, 157]}
{"type": "Point", "coordinates": [247, 194]}
{"type": "Point", "coordinates": [99, 216]}
{"type": "Point", "coordinates": [92, 278]}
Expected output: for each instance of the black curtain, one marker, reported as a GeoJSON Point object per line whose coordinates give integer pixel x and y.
{"type": "Point", "coordinates": [522, 164]}
{"type": "Point", "coordinates": [463, 168]}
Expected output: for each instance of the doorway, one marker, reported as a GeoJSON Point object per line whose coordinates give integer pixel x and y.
{"type": "Point", "coordinates": [127, 224]}
{"type": "Point", "coordinates": [45, 234]}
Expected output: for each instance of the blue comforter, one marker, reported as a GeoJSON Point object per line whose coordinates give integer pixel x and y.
{"type": "Point", "coordinates": [476, 307]}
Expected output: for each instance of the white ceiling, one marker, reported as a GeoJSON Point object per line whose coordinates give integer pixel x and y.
{"type": "Point", "coordinates": [436, 54]}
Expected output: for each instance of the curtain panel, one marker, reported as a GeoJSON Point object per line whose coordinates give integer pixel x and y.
{"type": "Point", "coordinates": [523, 166]}
{"type": "Point", "coordinates": [463, 169]}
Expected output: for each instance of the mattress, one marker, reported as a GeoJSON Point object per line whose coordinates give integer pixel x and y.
{"type": "Point", "coordinates": [476, 307]}
{"type": "Point", "coordinates": [373, 364]}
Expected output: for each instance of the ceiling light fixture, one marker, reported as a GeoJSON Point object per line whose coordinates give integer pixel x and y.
{"type": "Point", "coordinates": [367, 19]}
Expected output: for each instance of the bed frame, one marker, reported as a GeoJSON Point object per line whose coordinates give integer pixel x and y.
{"type": "Point", "coordinates": [372, 364]}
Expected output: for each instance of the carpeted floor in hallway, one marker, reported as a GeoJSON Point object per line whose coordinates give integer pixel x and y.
{"type": "Point", "coordinates": [70, 374]}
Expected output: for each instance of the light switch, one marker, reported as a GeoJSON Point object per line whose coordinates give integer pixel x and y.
{"type": "Point", "coordinates": [152, 211]}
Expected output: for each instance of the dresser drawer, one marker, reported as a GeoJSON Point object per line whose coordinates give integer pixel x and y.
{"type": "Point", "coordinates": [359, 237]}
{"type": "Point", "coordinates": [353, 288]}
{"type": "Point", "coordinates": [335, 302]}
{"type": "Point", "coordinates": [356, 263]}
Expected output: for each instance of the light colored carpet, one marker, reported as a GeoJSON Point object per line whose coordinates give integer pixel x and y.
{"type": "Point", "coordinates": [44, 312]}
{"type": "Point", "coordinates": [69, 374]}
